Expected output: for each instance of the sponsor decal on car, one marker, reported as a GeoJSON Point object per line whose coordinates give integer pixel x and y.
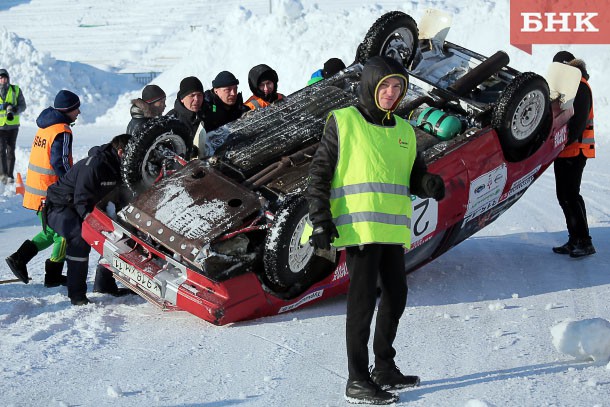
{"type": "Point", "coordinates": [340, 272]}
{"type": "Point", "coordinates": [485, 192]}
{"type": "Point", "coordinates": [521, 184]}
{"type": "Point", "coordinates": [560, 136]}
{"type": "Point", "coordinates": [309, 297]}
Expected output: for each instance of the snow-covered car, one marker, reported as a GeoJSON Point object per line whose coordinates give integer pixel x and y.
{"type": "Point", "coordinates": [224, 237]}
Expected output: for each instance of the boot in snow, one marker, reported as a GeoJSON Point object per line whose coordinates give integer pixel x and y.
{"type": "Point", "coordinates": [582, 247]}
{"type": "Point", "coordinates": [393, 379]}
{"type": "Point", "coordinates": [367, 392]}
{"type": "Point", "coordinates": [18, 261]}
{"type": "Point", "coordinates": [565, 248]}
{"type": "Point", "coordinates": [53, 276]}
{"type": "Point", "coordinates": [106, 284]}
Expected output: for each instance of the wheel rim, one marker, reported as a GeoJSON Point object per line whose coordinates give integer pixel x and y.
{"type": "Point", "coordinates": [157, 154]}
{"type": "Point", "coordinates": [399, 45]}
{"type": "Point", "coordinates": [528, 115]}
{"type": "Point", "coordinates": [299, 255]}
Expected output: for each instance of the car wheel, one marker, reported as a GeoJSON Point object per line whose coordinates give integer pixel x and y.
{"type": "Point", "coordinates": [150, 148]}
{"type": "Point", "coordinates": [291, 264]}
{"type": "Point", "coordinates": [394, 34]}
{"type": "Point", "coordinates": [521, 114]}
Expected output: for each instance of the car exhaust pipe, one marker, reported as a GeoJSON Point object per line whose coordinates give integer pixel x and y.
{"type": "Point", "coordinates": [480, 73]}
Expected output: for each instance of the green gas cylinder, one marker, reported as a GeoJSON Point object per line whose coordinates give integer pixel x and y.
{"type": "Point", "coordinates": [439, 123]}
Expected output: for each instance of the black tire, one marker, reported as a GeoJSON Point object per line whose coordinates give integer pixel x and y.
{"type": "Point", "coordinates": [144, 154]}
{"type": "Point", "coordinates": [290, 266]}
{"type": "Point", "coordinates": [521, 115]}
{"type": "Point", "coordinates": [394, 34]}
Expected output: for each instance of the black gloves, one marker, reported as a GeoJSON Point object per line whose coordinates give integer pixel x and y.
{"type": "Point", "coordinates": [433, 186]}
{"type": "Point", "coordinates": [323, 234]}
{"type": "Point", "coordinates": [9, 111]}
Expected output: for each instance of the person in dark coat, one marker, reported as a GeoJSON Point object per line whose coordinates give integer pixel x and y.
{"type": "Point", "coordinates": [188, 104]}
{"type": "Point", "coordinates": [359, 195]}
{"type": "Point", "coordinates": [73, 197]}
{"type": "Point", "coordinates": [12, 104]}
{"type": "Point", "coordinates": [262, 80]}
{"type": "Point", "coordinates": [150, 105]}
{"type": "Point", "coordinates": [331, 67]}
{"type": "Point", "coordinates": [223, 103]}
{"type": "Point", "coordinates": [570, 165]}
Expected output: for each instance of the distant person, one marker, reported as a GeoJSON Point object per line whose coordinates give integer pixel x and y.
{"type": "Point", "coordinates": [150, 105]}
{"type": "Point", "coordinates": [570, 164]}
{"type": "Point", "coordinates": [50, 158]}
{"type": "Point", "coordinates": [262, 80]}
{"type": "Point", "coordinates": [12, 104]}
{"type": "Point", "coordinates": [223, 103]}
{"type": "Point", "coordinates": [72, 198]}
{"type": "Point", "coordinates": [331, 67]}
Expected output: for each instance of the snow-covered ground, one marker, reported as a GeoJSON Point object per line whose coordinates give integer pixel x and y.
{"type": "Point", "coordinates": [487, 324]}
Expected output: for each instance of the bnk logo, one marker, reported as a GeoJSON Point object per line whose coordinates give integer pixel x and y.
{"type": "Point", "coordinates": [559, 22]}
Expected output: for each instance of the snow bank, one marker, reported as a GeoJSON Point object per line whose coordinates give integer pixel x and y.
{"type": "Point", "coordinates": [41, 76]}
{"type": "Point", "coordinates": [588, 339]}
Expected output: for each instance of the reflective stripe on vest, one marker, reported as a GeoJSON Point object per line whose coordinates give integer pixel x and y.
{"type": "Point", "coordinates": [370, 198]}
{"type": "Point", "coordinates": [586, 142]}
{"type": "Point", "coordinates": [40, 172]}
{"type": "Point", "coordinates": [12, 96]}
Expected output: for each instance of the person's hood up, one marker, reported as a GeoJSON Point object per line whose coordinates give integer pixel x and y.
{"type": "Point", "coordinates": [580, 64]}
{"type": "Point", "coordinates": [50, 116]}
{"type": "Point", "coordinates": [261, 73]}
{"type": "Point", "coordinates": [375, 71]}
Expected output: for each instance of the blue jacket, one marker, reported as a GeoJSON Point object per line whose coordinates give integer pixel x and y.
{"type": "Point", "coordinates": [61, 149]}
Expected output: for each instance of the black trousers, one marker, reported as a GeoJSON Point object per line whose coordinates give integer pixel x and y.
{"type": "Point", "coordinates": [67, 223]}
{"type": "Point", "coordinates": [8, 139]}
{"type": "Point", "coordinates": [568, 176]}
{"type": "Point", "coordinates": [364, 267]}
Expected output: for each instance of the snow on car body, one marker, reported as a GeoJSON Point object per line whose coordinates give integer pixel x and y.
{"type": "Point", "coordinates": [225, 237]}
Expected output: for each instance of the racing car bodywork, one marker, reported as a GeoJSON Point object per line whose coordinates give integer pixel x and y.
{"type": "Point", "coordinates": [225, 237]}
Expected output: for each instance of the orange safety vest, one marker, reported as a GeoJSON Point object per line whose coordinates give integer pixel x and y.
{"type": "Point", "coordinates": [587, 140]}
{"type": "Point", "coordinates": [40, 172]}
{"type": "Point", "coordinates": [254, 102]}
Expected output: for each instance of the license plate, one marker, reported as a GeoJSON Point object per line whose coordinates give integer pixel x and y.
{"type": "Point", "coordinates": [134, 274]}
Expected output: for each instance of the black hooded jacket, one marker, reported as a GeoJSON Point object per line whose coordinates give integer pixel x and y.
{"type": "Point", "coordinates": [323, 165]}
{"type": "Point", "coordinates": [257, 75]}
{"type": "Point", "coordinates": [87, 182]}
{"type": "Point", "coordinates": [583, 101]}
{"type": "Point", "coordinates": [216, 113]}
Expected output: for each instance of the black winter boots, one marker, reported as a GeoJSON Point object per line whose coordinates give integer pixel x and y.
{"type": "Point", "coordinates": [576, 247]}
{"type": "Point", "coordinates": [18, 261]}
{"type": "Point", "coordinates": [367, 392]}
{"type": "Point", "coordinates": [106, 284]}
{"type": "Point", "coordinates": [393, 379]}
{"type": "Point", "coordinates": [52, 275]}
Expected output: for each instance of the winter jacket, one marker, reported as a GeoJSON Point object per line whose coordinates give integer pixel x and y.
{"type": "Point", "coordinates": [141, 112]}
{"type": "Point", "coordinates": [581, 124]}
{"type": "Point", "coordinates": [87, 182]}
{"type": "Point", "coordinates": [61, 147]}
{"type": "Point", "coordinates": [11, 94]}
{"type": "Point", "coordinates": [324, 163]}
{"type": "Point", "coordinates": [216, 113]}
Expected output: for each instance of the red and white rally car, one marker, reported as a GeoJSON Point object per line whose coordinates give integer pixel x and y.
{"type": "Point", "coordinates": [224, 237]}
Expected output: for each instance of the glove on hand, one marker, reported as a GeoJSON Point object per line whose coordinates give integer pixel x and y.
{"type": "Point", "coordinates": [323, 235]}
{"type": "Point", "coordinates": [434, 186]}
{"type": "Point", "coordinates": [9, 111]}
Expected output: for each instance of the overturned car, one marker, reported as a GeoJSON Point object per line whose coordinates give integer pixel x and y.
{"type": "Point", "coordinates": [224, 236]}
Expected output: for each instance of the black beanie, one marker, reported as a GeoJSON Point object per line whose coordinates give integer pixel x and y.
{"type": "Point", "coordinates": [331, 67]}
{"type": "Point", "coordinates": [66, 101]}
{"type": "Point", "coordinates": [563, 57]}
{"type": "Point", "coordinates": [224, 79]}
{"type": "Point", "coordinates": [4, 72]}
{"type": "Point", "coordinates": [189, 85]}
{"type": "Point", "coordinates": [152, 94]}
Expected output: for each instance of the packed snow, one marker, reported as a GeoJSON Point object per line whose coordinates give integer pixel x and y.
{"type": "Point", "coordinates": [499, 320]}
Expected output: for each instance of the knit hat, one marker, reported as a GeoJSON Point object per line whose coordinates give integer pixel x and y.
{"type": "Point", "coordinates": [152, 94]}
{"type": "Point", "coordinates": [66, 101]}
{"type": "Point", "coordinates": [4, 72]}
{"type": "Point", "coordinates": [224, 79]}
{"type": "Point", "coordinates": [332, 66]}
{"type": "Point", "coordinates": [189, 85]}
{"type": "Point", "coordinates": [563, 57]}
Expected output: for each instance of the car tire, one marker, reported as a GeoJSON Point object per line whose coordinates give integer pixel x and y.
{"type": "Point", "coordinates": [289, 265]}
{"type": "Point", "coordinates": [521, 115]}
{"type": "Point", "coordinates": [143, 158]}
{"type": "Point", "coordinates": [394, 34]}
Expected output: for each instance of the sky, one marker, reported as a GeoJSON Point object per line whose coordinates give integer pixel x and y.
{"type": "Point", "coordinates": [499, 320]}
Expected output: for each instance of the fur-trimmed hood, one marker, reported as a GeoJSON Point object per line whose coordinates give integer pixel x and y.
{"type": "Point", "coordinates": [140, 109]}
{"type": "Point", "coordinates": [580, 64]}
